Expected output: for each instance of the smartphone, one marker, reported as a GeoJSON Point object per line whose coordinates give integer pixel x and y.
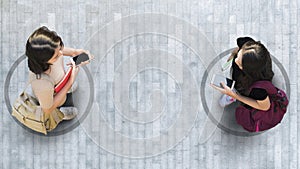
{"type": "Point", "coordinates": [217, 79]}
{"type": "Point", "coordinates": [81, 58]}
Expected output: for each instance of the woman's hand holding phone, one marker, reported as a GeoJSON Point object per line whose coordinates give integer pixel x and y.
{"type": "Point", "coordinates": [225, 90]}
{"type": "Point", "coordinates": [223, 84]}
{"type": "Point", "coordinates": [84, 57]}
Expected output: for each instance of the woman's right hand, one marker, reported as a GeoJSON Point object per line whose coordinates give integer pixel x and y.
{"type": "Point", "coordinates": [225, 90]}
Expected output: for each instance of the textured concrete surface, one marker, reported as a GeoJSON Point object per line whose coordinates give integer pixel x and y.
{"type": "Point", "coordinates": [144, 100]}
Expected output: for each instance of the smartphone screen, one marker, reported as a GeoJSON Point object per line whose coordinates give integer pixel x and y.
{"type": "Point", "coordinates": [81, 58]}
{"type": "Point", "coordinates": [217, 79]}
{"type": "Point", "coordinates": [229, 82]}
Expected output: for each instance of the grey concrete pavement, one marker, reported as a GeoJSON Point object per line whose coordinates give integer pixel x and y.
{"type": "Point", "coordinates": [140, 99]}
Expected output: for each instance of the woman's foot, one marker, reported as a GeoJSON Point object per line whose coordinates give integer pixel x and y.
{"type": "Point", "coordinates": [226, 100]}
{"type": "Point", "coordinates": [69, 112]}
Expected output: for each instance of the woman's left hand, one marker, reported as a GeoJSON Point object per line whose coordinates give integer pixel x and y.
{"type": "Point", "coordinates": [80, 51]}
{"type": "Point", "coordinates": [225, 90]}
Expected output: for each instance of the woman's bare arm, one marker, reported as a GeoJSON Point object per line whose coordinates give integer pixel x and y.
{"type": "Point", "coordinates": [67, 51]}
{"type": "Point", "coordinates": [257, 104]}
{"type": "Point", "coordinates": [61, 95]}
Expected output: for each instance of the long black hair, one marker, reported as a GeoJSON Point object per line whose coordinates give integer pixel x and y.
{"type": "Point", "coordinates": [256, 65]}
{"type": "Point", "coordinates": [40, 48]}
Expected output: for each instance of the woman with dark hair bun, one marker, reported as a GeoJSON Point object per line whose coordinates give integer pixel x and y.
{"type": "Point", "coordinates": [45, 51]}
{"type": "Point", "coordinates": [251, 63]}
{"type": "Point", "coordinates": [263, 105]}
